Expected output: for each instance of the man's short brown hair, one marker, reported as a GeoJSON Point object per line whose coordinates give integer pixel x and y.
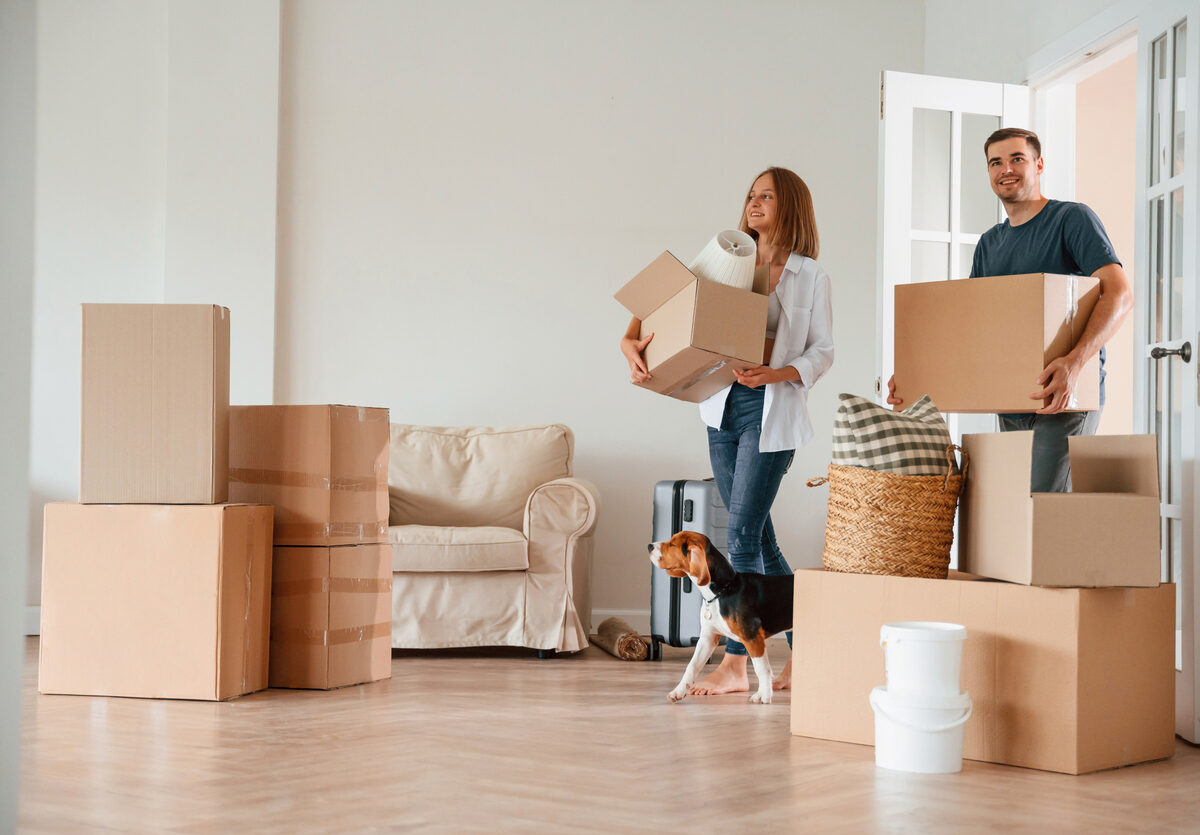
{"type": "Point", "coordinates": [1015, 133]}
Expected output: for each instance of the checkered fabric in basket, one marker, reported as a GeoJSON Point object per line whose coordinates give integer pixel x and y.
{"type": "Point", "coordinates": [912, 442]}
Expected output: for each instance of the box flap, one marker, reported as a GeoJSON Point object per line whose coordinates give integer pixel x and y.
{"type": "Point", "coordinates": [662, 279]}
{"type": "Point", "coordinates": [1114, 464]}
{"type": "Point", "coordinates": [762, 279]}
{"type": "Point", "coordinates": [1077, 296]}
{"type": "Point", "coordinates": [995, 520]}
{"type": "Point", "coordinates": [671, 323]}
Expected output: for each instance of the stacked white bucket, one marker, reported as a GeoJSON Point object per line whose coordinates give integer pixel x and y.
{"type": "Point", "coordinates": [919, 715]}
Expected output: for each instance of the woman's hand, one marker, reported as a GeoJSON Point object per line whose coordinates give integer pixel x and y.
{"type": "Point", "coordinates": [763, 374]}
{"type": "Point", "coordinates": [634, 351]}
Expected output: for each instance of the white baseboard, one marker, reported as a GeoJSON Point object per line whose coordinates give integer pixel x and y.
{"type": "Point", "coordinates": [639, 619]}
{"type": "Point", "coordinates": [33, 620]}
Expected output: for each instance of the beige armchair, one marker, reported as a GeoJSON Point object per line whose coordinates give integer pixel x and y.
{"type": "Point", "coordinates": [491, 538]}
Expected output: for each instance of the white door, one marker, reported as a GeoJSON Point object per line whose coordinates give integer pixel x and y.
{"type": "Point", "coordinates": [935, 199]}
{"type": "Point", "coordinates": [1165, 278]}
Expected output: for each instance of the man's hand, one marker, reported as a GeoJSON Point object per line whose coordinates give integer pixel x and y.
{"type": "Point", "coordinates": [761, 375]}
{"type": "Point", "coordinates": [635, 352]}
{"type": "Point", "coordinates": [1058, 379]}
{"type": "Point", "coordinates": [892, 399]}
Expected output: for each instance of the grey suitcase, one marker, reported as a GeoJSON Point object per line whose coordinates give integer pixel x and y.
{"type": "Point", "coordinates": [684, 505]}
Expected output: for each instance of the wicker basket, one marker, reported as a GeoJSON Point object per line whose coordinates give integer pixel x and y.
{"type": "Point", "coordinates": [884, 523]}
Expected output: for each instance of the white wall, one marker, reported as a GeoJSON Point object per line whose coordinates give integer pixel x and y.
{"type": "Point", "coordinates": [987, 41]}
{"type": "Point", "coordinates": [221, 144]}
{"type": "Point", "coordinates": [18, 21]}
{"type": "Point", "coordinates": [100, 168]}
{"type": "Point", "coordinates": [156, 169]}
{"type": "Point", "coordinates": [463, 187]}
{"type": "Point", "coordinates": [1106, 180]}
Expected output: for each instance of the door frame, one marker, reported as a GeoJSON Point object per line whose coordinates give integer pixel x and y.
{"type": "Point", "coordinates": [1055, 62]}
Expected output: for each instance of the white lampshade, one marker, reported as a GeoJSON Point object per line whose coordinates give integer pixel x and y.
{"type": "Point", "coordinates": [728, 258]}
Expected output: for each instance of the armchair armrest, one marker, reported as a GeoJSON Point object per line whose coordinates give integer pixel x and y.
{"type": "Point", "coordinates": [560, 517]}
{"type": "Point", "coordinates": [562, 507]}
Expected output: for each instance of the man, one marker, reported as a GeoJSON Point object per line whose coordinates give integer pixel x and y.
{"type": "Point", "coordinates": [1049, 236]}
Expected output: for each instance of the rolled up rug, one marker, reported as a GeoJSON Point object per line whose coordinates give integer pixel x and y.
{"type": "Point", "coordinates": [728, 258]}
{"type": "Point", "coordinates": [618, 638]}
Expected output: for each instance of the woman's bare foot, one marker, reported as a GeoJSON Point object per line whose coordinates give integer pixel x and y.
{"type": "Point", "coordinates": [783, 681]}
{"type": "Point", "coordinates": [729, 677]}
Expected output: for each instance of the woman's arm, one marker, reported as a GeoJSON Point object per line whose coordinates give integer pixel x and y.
{"type": "Point", "coordinates": [817, 356]}
{"type": "Point", "coordinates": [634, 350]}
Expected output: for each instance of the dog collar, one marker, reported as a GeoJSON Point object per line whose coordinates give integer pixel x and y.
{"type": "Point", "coordinates": [719, 592]}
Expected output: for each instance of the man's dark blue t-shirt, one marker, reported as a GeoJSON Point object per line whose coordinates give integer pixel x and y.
{"type": "Point", "coordinates": [1063, 238]}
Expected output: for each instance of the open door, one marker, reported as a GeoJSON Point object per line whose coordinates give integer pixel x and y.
{"type": "Point", "coordinates": [935, 199]}
{"type": "Point", "coordinates": [1166, 334]}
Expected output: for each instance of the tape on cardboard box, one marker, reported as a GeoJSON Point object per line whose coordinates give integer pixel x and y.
{"type": "Point", "coordinates": [314, 530]}
{"type": "Point", "coordinates": [331, 637]}
{"type": "Point", "coordinates": [289, 478]}
{"type": "Point", "coordinates": [324, 585]}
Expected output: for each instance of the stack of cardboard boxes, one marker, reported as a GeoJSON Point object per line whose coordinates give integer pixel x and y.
{"type": "Point", "coordinates": [153, 585]}
{"type": "Point", "coordinates": [1069, 657]}
{"type": "Point", "coordinates": [324, 468]}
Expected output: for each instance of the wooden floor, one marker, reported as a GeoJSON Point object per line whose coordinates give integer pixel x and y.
{"type": "Point", "coordinates": [496, 740]}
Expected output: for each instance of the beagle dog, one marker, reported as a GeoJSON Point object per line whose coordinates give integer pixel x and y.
{"type": "Point", "coordinates": [746, 607]}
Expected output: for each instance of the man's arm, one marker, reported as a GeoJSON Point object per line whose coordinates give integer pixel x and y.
{"type": "Point", "coordinates": [1062, 375]}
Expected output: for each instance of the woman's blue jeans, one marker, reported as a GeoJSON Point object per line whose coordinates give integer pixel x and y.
{"type": "Point", "coordinates": [748, 481]}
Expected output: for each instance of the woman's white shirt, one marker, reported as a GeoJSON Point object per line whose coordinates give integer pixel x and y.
{"type": "Point", "coordinates": [804, 340]}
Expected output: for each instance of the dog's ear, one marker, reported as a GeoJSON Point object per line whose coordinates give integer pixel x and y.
{"type": "Point", "coordinates": [699, 564]}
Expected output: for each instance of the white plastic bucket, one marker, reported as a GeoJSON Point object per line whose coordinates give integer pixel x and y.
{"type": "Point", "coordinates": [919, 735]}
{"type": "Point", "coordinates": [923, 658]}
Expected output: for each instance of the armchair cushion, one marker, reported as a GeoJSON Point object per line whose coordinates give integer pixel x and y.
{"type": "Point", "coordinates": [475, 475]}
{"type": "Point", "coordinates": [432, 548]}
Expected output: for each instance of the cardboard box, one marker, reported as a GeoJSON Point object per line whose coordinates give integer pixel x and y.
{"type": "Point", "coordinates": [331, 616]}
{"type": "Point", "coordinates": [155, 401]}
{"type": "Point", "coordinates": [159, 601]}
{"type": "Point", "coordinates": [978, 345]}
{"type": "Point", "coordinates": [1105, 533]}
{"type": "Point", "coordinates": [1069, 680]}
{"type": "Point", "coordinates": [324, 468]}
{"type": "Point", "coordinates": [702, 329]}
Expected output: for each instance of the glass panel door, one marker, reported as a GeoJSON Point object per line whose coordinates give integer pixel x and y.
{"type": "Point", "coordinates": [935, 198]}
{"type": "Point", "coordinates": [1167, 297]}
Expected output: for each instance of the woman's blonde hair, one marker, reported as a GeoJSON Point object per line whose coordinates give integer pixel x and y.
{"type": "Point", "coordinates": [795, 220]}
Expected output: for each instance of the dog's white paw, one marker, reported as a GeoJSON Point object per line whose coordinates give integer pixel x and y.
{"type": "Point", "coordinates": [678, 694]}
{"type": "Point", "coordinates": [761, 698]}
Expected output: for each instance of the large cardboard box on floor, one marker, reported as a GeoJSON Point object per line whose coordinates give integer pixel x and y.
{"type": "Point", "coordinates": [324, 468]}
{"type": "Point", "coordinates": [1069, 680]}
{"type": "Point", "coordinates": [160, 601]}
{"type": "Point", "coordinates": [979, 344]}
{"type": "Point", "coordinates": [702, 329]}
{"type": "Point", "coordinates": [331, 615]}
{"type": "Point", "coordinates": [155, 401]}
{"type": "Point", "coordinates": [1104, 533]}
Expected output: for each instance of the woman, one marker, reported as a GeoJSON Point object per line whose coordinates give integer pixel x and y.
{"type": "Point", "coordinates": [756, 424]}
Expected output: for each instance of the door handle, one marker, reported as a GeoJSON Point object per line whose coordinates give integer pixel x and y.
{"type": "Point", "coordinates": [1184, 352]}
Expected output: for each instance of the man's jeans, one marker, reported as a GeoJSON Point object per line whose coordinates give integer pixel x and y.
{"type": "Point", "coordinates": [748, 481]}
{"type": "Point", "coordinates": [1051, 468]}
